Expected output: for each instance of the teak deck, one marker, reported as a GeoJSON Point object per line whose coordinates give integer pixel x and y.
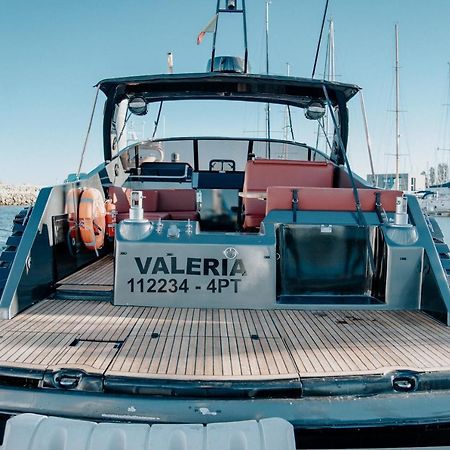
{"type": "Point", "coordinates": [225, 344]}
{"type": "Point", "coordinates": [98, 276]}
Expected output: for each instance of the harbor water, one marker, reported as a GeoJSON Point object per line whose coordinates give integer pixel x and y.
{"type": "Point", "coordinates": [7, 214]}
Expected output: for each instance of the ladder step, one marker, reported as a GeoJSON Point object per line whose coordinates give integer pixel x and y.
{"type": "Point", "coordinates": [442, 248]}
{"type": "Point", "coordinates": [4, 271]}
{"type": "Point", "coordinates": [7, 256]}
{"type": "Point", "coordinates": [18, 227]}
{"type": "Point", "coordinates": [445, 263]}
{"type": "Point", "coordinates": [13, 241]}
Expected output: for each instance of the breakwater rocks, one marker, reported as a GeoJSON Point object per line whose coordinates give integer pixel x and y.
{"type": "Point", "coordinates": [23, 194]}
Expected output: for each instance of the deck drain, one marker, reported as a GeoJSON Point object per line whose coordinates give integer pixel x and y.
{"type": "Point", "coordinates": [74, 343]}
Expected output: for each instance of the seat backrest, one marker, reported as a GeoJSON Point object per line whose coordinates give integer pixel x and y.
{"type": "Point", "coordinates": [120, 197]}
{"type": "Point", "coordinates": [176, 200]}
{"type": "Point", "coordinates": [262, 173]}
{"type": "Point", "coordinates": [328, 199]}
{"type": "Point", "coordinates": [150, 200]}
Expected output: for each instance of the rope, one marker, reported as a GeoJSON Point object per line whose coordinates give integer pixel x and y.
{"type": "Point", "coordinates": [88, 131]}
{"type": "Point", "coordinates": [320, 39]}
{"type": "Point", "coordinates": [157, 120]}
{"type": "Point", "coordinates": [361, 219]}
{"type": "Point", "coordinates": [127, 118]}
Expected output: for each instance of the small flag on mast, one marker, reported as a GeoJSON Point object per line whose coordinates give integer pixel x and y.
{"type": "Point", "coordinates": [208, 29]}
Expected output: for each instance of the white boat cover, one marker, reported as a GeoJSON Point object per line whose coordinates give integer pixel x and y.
{"type": "Point", "coordinates": [38, 432]}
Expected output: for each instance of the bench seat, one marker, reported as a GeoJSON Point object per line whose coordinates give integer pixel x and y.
{"type": "Point", "coordinates": [165, 204]}
{"type": "Point", "coordinates": [328, 199]}
{"type": "Point", "coordinates": [262, 173]}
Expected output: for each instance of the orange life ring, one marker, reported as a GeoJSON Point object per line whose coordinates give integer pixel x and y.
{"type": "Point", "coordinates": [91, 217]}
{"type": "Point", "coordinates": [71, 209]}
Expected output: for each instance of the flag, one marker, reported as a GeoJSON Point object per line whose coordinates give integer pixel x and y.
{"type": "Point", "coordinates": [208, 29]}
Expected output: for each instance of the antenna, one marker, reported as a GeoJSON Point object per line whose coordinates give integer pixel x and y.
{"type": "Point", "coordinates": [230, 7]}
{"type": "Point", "coordinates": [170, 62]}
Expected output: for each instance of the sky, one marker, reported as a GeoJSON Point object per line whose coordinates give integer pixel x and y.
{"type": "Point", "coordinates": [53, 52]}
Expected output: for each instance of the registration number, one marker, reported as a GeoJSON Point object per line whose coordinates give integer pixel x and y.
{"type": "Point", "coordinates": [172, 285]}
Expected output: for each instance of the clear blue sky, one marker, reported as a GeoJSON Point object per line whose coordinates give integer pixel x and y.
{"type": "Point", "coordinates": [52, 53]}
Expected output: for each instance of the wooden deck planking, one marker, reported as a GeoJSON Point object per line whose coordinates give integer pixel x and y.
{"type": "Point", "coordinates": [99, 273]}
{"type": "Point", "coordinates": [189, 343]}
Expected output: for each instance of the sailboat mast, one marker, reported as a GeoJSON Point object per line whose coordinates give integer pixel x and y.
{"type": "Point", "coordinates": [331, 76]}
{"type": "Point", "coordinates": [397, 103]}
{"type": "Point", "coordinates": [267, 72]}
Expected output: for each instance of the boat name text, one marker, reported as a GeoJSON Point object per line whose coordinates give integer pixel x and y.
{"type": "Point", "coordinates": [190, 266]}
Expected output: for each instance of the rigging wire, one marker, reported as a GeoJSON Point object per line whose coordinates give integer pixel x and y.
{"type": "Point", "coordinates": [88, 132]}
{"type": "Point", "coordinates": [369, 143]}
{"type": "Point", "coordinates": [123, 126]}
{"type": "Point", "coordinates": [321, 125]}
{"type": "Point", "coordinates": [320, 38]}
{"type": "Point", "coordinates": [157, 120]}
{"type": "Point", "coordinates": [361, 219]}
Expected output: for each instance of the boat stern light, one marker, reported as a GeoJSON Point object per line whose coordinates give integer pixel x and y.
{"type": "Point", "coordinates": [136, 210]}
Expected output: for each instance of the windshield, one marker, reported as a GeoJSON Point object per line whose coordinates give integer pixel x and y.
{"type": "Point", "coordinates": [242, 120]}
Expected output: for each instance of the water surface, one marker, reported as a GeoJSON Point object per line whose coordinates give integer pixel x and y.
{"type": "Point", "coordinates": [7, 214]}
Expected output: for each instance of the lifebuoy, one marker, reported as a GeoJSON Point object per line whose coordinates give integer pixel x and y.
{"type": "Point", "coordinates": [91, 217]}
{"type": "Point", "coordinates": [71, 209]}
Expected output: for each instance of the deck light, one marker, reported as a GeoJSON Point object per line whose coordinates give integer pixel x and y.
{"type": "Point", "coordinates": [138, 106]}
{"type": "Point", "coordinates": [315, 110]}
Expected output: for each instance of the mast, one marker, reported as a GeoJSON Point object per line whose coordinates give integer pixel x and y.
{"type": "Point", "coordinates": [331, 74]}
{"type": "Point", "coordinates": [267, 73]}
{"type": "Point", "coordinates": [397, 104]}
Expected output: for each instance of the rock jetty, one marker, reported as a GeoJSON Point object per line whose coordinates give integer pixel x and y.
{"type": "Point", "coordinates": [17, 195]}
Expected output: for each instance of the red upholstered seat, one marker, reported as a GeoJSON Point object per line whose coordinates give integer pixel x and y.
{"type": "Point", "coordinates": [180, 204]}
{"type": "Point", "coordinates": [120, 197]}
{"type": "Point", "coordinates": [175, 204]}
{"type": "Point", "coordinates": [328, 199]}
{"type": "Point", "coordinates": [176, 200]}
{"type": "Point", "coordinates": [156, 216]}
{"type": "Point", "coordinates": [262, 173]}
{"type": "Point", "coordinates": [184, 215]}
{"type": "Point", "coordinates": [150, 201]}
{"type": "Point", "coordinates": [147, 215]}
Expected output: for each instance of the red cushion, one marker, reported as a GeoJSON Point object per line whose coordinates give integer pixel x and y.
{"type": "Point", "coordinates": [331, 199]}
{"type": "Point", "coordinates": [156, 215]}
{"type": "Point", "coordinates": [176, 200]}
{"type": "Point", "coordinates": [183, 215]}
{"type": "Point", "coordinates": [150, 200]}
{"type": "Point", "coordinates": [149, 216]}
{"type": "Point", "coordinates": [262, 173]}
{"type": "Point", "coordinates": [120, 197]}
{"type": "Point", "coordinates": [252, 221]}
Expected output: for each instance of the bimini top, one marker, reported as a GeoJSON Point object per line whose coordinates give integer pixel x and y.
{"type": "Point", "coordinates": [214, 85]}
